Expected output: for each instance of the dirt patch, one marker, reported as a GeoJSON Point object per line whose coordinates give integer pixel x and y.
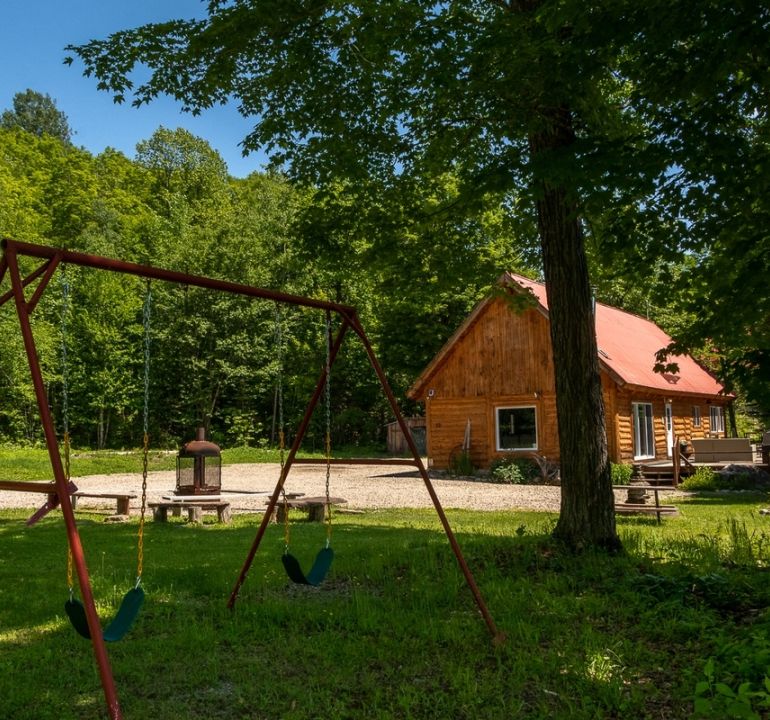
{"type": "Point", "coordinates": [365, 487]}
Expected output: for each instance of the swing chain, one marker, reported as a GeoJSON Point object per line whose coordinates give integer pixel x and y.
{"type": "Point", "coordinates": [65, 292]}
{"type": "Point", "coordinates": [70, 581]}
{"type": "Point", "coordinates": [140, 532]}
{"type": "Point", "coordinates": [70, 574]}
{"type": "Point", "coordinates": [279, 382]}
{"type": "Point", "coordinates": [146, 316]}
{"type": "Point", "coordinates": [281, 433]}
{"type": "Point", "coordinates": [328, 438]}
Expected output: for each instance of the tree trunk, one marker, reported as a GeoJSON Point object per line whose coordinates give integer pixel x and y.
{"type": "Point", "coordinates": [587, 507]}
{"type": "Point", "coordinates": [101, 430]}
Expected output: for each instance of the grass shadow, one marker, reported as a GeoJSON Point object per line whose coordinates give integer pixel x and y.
{"type": "Point", "coordinates": [394, 631]}
{"type": "Point", "coordinates": [725, 498]}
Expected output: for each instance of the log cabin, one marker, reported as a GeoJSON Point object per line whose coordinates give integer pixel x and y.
{"type": "Point", "coordinates": [491, 387]}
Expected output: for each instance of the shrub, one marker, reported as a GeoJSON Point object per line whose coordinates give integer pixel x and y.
{"type": "Point", "coordinates": [621, 474]}
{"type": "Point", "coordinates": [730, 697]}
{"type": "Point", "coordinates": [515, 471]}
{"type": "Point", "coordinates": [704, 478]}
{"type": "Point", "coordinates": [731, 478]}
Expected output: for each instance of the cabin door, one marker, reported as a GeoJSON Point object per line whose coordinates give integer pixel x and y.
{"type": "Point", "coordinates": [668, 419]}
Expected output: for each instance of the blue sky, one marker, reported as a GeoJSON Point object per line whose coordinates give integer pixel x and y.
{"type": "Point", "coordinates": [33, 34]}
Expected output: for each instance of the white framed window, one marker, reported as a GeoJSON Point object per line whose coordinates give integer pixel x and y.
{"type": "Point", "coordinates": [644, 432]}
{"type": "Point", "coordinates": [717, 419]}
{"type": "Point", "coordinates": [516, 428]}
{"type": "Point", "coordinates": [696, 416]}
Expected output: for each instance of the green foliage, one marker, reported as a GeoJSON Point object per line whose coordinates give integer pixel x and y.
{"type": "Point", "coordinates": [213, 357]}
{"type": "Point", "coordinates": [37, 114]}
{"type": "Point", "coordinates": [704, 478]}
{"type": "Point", "coordinates": [621, 473]}
{"type": "Point", "coordinates": [703, 234]}
{"type": "Point", "coordinates": [427, 265]}
{"type": "Point", "coordinates": [184, 216]}
{"type": "Point", "coordinates": [718, 699]}
{"type": "Point", "coordinates": [515, 471]}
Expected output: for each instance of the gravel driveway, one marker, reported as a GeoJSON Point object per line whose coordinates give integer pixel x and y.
{"type": "Point", "coordinates": [364, 486]}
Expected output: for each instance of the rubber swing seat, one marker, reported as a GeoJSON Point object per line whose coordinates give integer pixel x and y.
{"type": "Point", "coordinates": [317, 574]}
{"type": "Point", "coordinates": [121, 623]}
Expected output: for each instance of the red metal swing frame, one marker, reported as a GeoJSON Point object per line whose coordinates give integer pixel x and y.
{"type": "Point", "coordinates": [51, 259]}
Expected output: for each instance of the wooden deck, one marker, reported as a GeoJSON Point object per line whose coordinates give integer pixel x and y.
{"type": "Point", "coordinates": [664, 471]}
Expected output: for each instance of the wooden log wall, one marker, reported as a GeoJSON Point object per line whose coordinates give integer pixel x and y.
{"type": "Point", "coordinates": [682, 408]}
{"type": "Point", "coordinates": [504, 360]}
{"type": "Point", "coordinates": [503, 353]}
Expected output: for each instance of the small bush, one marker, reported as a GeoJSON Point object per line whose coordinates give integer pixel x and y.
{"type": "Point", "coordinates": [515, 471]}
{"type": "Point", "coordinates": [729, 697]}
{"type": "Point", "coordinates": [707, 479]}
{"type": "Point", "coordinates": [621, 474]}
{"type": "Point", "coordinates": [704, 478]}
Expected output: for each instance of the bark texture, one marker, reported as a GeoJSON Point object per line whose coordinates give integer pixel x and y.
{"type": "Point", "coordinates": [587, 507]}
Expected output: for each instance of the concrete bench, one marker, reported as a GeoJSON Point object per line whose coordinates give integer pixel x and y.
{"type": "Point", "coordinates": [122, 500]}
{"type": "Point", "coordinates": [194, 510]}
{"type": "Point", "coordinates": [314, 506]}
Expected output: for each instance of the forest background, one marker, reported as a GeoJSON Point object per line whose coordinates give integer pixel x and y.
{"type": "Point", "coordinates": [414, 267]}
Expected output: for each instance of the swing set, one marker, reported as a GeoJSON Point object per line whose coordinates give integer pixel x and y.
{"type": "Point", "coordinates": [26, 291]}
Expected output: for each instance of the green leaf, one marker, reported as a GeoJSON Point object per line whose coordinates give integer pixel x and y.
{"type": "Point", "coordinates": [724, 690]}
{"type": "Point", "coordinates": [702, 706]}
{"type": "Point", "coordinates": [702, 687]}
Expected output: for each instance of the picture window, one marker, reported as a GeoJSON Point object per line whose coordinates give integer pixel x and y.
{"type": "Point", "coordinates": [516, 428]}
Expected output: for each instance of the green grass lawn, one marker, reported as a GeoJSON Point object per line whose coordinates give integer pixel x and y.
{"type": "Point", "coordinates": [394, 632]}
{"type": "Point", "coordinates": [33, 463]}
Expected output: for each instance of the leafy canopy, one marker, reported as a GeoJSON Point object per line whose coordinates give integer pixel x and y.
{"type": "Point", "coordinates": [36, 113]}
{"type": "Point", "coordinates": [381, 89]}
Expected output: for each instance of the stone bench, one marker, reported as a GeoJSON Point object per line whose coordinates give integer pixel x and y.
{"type": "Point", "coordinates": [194, 510]}
{"type": "Point", "coordinates": [314, 506]}
{"type": "Point", "coordinates": [122, 500]}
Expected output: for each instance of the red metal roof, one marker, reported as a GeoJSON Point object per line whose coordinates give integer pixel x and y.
{"type": "Point", "coordinates": [627, 345]}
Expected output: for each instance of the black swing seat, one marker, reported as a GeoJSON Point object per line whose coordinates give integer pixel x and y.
{"type": "Point", "coordinates": [317, 574]}
{"type": "Point", "coordinates": [121, 623]}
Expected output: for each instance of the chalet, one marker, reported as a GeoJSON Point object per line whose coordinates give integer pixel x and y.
{"type": "Point", "coordinates": [491, 387]}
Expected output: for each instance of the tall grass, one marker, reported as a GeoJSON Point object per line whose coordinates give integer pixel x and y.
{"type": "Point", "coordinates": [394, 633]}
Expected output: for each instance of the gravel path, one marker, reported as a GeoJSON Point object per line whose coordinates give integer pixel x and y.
{"type": "Point", "coordinates": [364, 486]}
